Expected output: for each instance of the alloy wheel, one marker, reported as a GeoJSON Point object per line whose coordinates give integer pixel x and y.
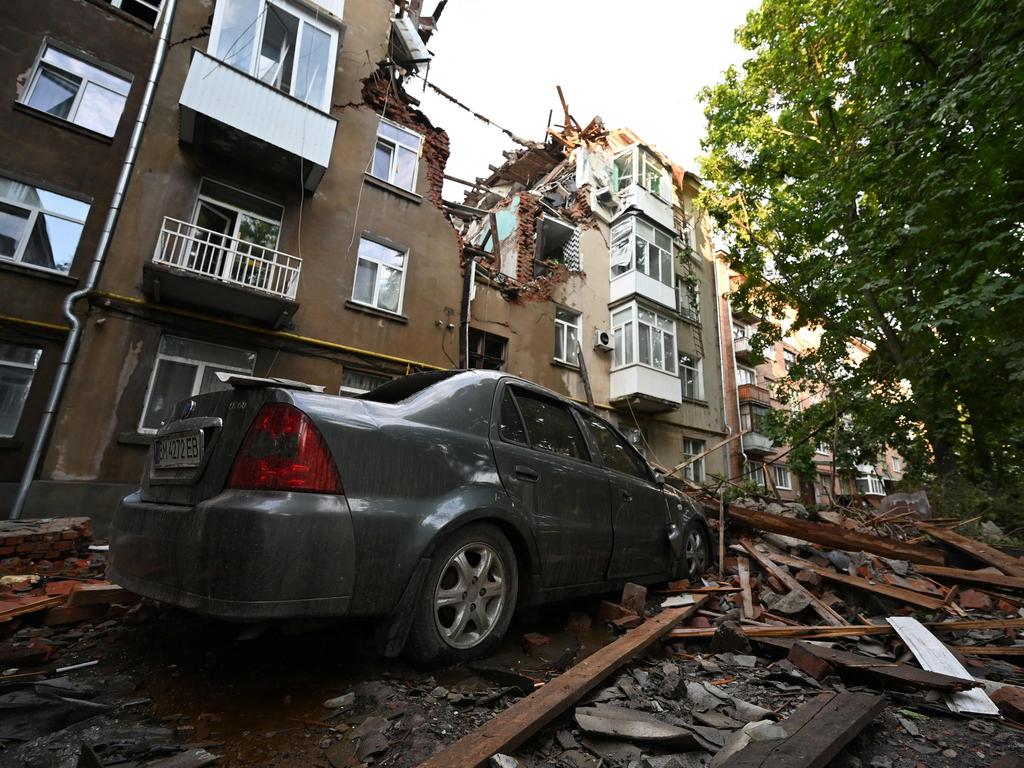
{"type": "Point", "coordinates": [695, 554]}
{"type": "Point", "coordinates": [469, 595]}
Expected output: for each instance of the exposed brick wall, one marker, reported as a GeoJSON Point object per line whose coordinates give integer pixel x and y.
{"type": "Point", "coordinates": [436, 149]}
{"type": "Point", "coordinates": [526, 232]}
{"type": "Point", "coordinates": [29, 540]}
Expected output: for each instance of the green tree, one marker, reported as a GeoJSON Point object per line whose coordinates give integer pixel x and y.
{"type": "Point", "coordinates": [866, 168]}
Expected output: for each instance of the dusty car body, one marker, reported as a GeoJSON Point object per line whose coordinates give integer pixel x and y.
{"type": "Point", "coordinates": [222, 525]}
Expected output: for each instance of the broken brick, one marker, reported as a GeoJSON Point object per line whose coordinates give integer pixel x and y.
{"type": "Point", "coordinates": [531, 641]}
{"type": "Point", "coordinates": [808, 663]}
{"type": "Point", "coordinates": [973, 600]}
{"type": "Point", "coordinates": [729, 638]}
{"type": "Point", "coordinates": [634, 598]}
{"type": "Point", "coordinates": [610, 611]}
{"type": "Point", "coordinates": [631, 621]}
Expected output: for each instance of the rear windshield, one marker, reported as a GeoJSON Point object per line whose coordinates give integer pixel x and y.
{"type": "Point", "coordinates": [404, 387]}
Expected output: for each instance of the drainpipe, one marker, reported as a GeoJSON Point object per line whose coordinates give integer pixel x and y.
{"type": "Point", "coordinates": [468, 275]}
{"type": "Point", "coordinates": [721, 363]}
{"type": "Point", "coordinates": [736, 388]}
{"type": "Point", "coordinates": [75, 334]}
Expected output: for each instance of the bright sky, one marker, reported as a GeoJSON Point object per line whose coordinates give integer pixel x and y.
{"type": "Point", "coordinates": [638, 64]}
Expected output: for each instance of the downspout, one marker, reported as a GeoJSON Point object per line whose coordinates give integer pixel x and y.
{"type": "Point", "coordinates": [75, 334]}
{"type": "Point", "coordinates": [736, 388]}
{"type": "Point", "coordinates": [468, 276]}
{"type": "Point", "coordinates": [721, 364]}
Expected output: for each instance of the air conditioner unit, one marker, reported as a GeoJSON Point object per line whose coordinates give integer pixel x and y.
{"type": "Point", "coordinates": [603, 341]}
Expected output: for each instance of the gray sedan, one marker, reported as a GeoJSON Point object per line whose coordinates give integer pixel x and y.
{"type": "Point", "coordinates": [435, 505]}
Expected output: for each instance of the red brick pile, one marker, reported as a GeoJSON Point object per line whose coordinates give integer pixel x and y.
{"type": "Point", "coordinates": [32, 541]}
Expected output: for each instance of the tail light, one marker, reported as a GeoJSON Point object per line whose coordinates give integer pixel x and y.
{"type": "Point", "coordinates": [284, 451]}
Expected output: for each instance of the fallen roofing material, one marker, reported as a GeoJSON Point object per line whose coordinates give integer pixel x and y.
{"type": "Point", "coordinates": [524, 718]}
{"type": "Point", "coordinates": [1012, 566]}
{"type": "Point", "coordinates": [933, 656]}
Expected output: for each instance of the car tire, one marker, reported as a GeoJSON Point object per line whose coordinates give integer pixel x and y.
{"type": "Point", "coordinates": [696, 551]}
{"type": "Point", "coordinates": [466, 605]}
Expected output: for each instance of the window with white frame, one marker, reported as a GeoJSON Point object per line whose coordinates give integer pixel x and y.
{"type": "Point", "coordinates": [380, 276]}
{"type": "Point", "coordinates": [396, 155]}
{"type": "Point", "coordinates": [691, 371]}
{"type": "Point", "coordinates": [788, 358]}
{"type": "Point", "coordinates": [17, 369]}
{"type": "Point", "coordinates": [754, 471]}
{"type": "Point", "coordinates": [897, 464]}
{"type": "Point", "coordinates": [567, 333]}
{"type": "Point", "coordinates": [870, 485]}
{"type": "Point", "coordinates": [783, 480]}
{"type": "Point", "coordinates": [636, 244]}
{"type": "Point", "coordinates": [688, 296]}
{"type": "Point", "coordinates": [645, 337]}
{"type": "Point", "coordinates": [358, 383]}
{"type": "Point", "coordinates": [694, 471]}
{"type": "Point", "coordinates": [66, 85]}
{"type": "Point", "coordinates": [185, 368]}
{"type": "Point", "coordinates": [280, 43]}
{"type": "Point", "coordinates": [640, 166]}
{"type": "Point", "coordinates": [144, 10]}
{"type": "Point", "coordinates": [38, 227]}
{"type": "Point", "coordinates": [745, 375]}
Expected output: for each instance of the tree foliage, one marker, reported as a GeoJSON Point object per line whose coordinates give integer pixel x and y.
{"type": "Point", "coordinates": [866, 168]}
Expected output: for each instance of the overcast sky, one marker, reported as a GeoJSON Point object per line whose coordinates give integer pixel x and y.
{"type": "Point", "coordinates": [638, 64]}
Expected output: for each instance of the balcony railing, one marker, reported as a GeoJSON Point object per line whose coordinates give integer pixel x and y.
{"type": "Point", "coordinates": [214, 255]}
{"type": "Point", "coordinates": [751, 393]}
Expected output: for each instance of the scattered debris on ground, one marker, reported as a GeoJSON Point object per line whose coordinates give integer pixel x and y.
{"type": "Point", "coordinates": [845, 637]}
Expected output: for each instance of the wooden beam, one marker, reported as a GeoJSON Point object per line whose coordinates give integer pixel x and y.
{"type": "Point", "coordinates": [23, 606]}
{"type": "Point", "coordinates": [743, 566]}
{"type": "Point", "coordinates": [982, 578]}
{"type": "Point", "coordinates": [891, 673]}
{"type": "Point", "coordinates": [763, 560]}
{"type": "Point", "coordinates": [1011, 566]}
{"type": "Point", "coordinates": [834, 536]}
{"type": "Point", "coordinates": [704, 453]}
{"type": "Point", "coordinates": [988, 650]}
{"type": "Point", "coordinates": [854, 630]}
{"type": "Point", "coordinates": [818, 731]}
{"type": "Point", "coordinates": [528, 715]}
{"type": "Point", "coordinates": [896, 593]}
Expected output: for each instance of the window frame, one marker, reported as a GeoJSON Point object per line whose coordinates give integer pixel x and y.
{"type": "Point", "coordinates": [689, 309]}
{"type": "Point", "coordinates": [483, 344]}
{"type": "Point", "coordinates": [634, 321]}
{"type": "Point", "coordinates": [40, 64]}
{"type": "Point", "coordinates": [698, 376]}
{"type": "Point", "coordinates": [562, 332]}
{"type": "Point", "coordinates": [750, 466]}
{"type": "Point", "coordinates": [394, 144]}
{"type": "Point", "coordinates": [640, 158]}
{"type": "Point", "coordinates": [752, 373]}
{"type": "Point", "coordinates": [782, 468]}
{"type": "Point", "coordinates": [305, 17]}
{"type": "Point", "coordinates": [34, 212]}
{"type": "Point", "coordinates": [374, 305]}
{"type": "Point", "coordinates": [197, 380]}
{"type": "Point", "coordinates": [33, 367]}
{"type": "Point", "coordinates": [875, 486]}
{"type": "Point", "coordinates": [666, 276]}
{"type": "Point", "coordinates": [515, 390]}
{"type": "Point", "coordinates": [696, 471]}
{"type": "Point", "coordinates": [595, 447]}
{"type": "Point", "coordinates": [344, 391]}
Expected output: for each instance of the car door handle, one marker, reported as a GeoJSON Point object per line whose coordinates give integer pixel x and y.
{"type": "Point", "coordinates": [626, 495]}
{"type": "Point", "coordinates": [525, 473]}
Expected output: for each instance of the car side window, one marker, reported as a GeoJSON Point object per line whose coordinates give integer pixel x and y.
{"type": "Point", "coordinates": [510, 424]}
{"type": "Point", "coordinates": [551, 427]}
{"type": "Point", "coordinates": [616, 452]}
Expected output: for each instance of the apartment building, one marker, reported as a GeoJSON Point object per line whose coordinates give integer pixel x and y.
{"type": "Point", "coordinates": [283, 219]}
{"type": "Point", "coordinates": [757, 382]}
{"type": "Point", "coordinates": [594, 276]}
{"type": "Point", "coordinates": [72, 75]}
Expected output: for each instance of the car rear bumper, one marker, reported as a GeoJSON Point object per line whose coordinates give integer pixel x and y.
{"type": "Point", "coordinates": [242, 555]}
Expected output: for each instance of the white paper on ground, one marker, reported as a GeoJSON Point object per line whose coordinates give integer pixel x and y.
{"type": "Point", "coordinates": [933, 656]}
{"type": "Point", "coordinates": [677, 601]}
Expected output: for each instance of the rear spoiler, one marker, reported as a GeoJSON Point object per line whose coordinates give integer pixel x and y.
{"type": "Point", "coordinates": [240, 381]}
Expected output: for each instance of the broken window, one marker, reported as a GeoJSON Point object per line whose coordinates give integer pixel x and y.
{"type": "Point", "coordinates": [567, 333]}
{"type": "Point", "coordinates": [17, 369]}
{"type": "Point", "coordinates": [557, 243]}
{"type": "Point", "coordinates": [691, 371]}
{"type": "Point", "coordinates": [396, 156]}
{"type": "Point", "coordinates": [641, 166]}
{"type": "Point", "coordinates": [636, 244]}
{"type": "Point", "coordinates": [380, 276]}
{"type": "Point", "coordinates": [278, 43]}
{"type": "Point", "coordinates": [487, 350]}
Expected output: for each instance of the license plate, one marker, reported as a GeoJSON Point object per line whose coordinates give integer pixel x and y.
{"type": "Point", "coordinates": [181, 449]}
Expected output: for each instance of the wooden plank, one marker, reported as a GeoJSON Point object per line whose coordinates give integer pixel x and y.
{"type": "Point", "coordinates": [814, 633]}
{"type": "Point", "coordinates": [31, 607]}
{"type": "Point", "coordinates": [743, 565]}
{"type": "Point", "coordinates": [528, 715]}
{"type": "Point", "coordinates": [988, 650]}
{"type": "Point", "coordinates": [818, 731]}
{"type": "Point", "coordinates": [890, 672]}
{"type": "Point", "coordinates": [101, 594]}
{"type": "Point", "coordinates": [896, 593]}
{"type": "Point", "coordinates": [764, 560]}
{"type": "Point", "coordinates": [962, 575]}
{"type": "Point", "coordinates": [932, 655]}
{"type": "Point", "coordinates": [834, 536]}
{"type": "Point", "coordinates": [1011, 566]}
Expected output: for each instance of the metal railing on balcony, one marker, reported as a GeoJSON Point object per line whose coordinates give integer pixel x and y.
{"type": "Point", "coordinates": [191, 248]}
{"type": "Point", "coordinates": [751, 393]}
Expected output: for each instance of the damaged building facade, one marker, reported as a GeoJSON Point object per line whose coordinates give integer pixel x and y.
{"type": "Point", "coordinates": [590, 263]}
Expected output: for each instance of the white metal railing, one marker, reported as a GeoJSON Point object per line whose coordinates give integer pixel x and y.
{"type": "Point", "coordinates": [188, 247]}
